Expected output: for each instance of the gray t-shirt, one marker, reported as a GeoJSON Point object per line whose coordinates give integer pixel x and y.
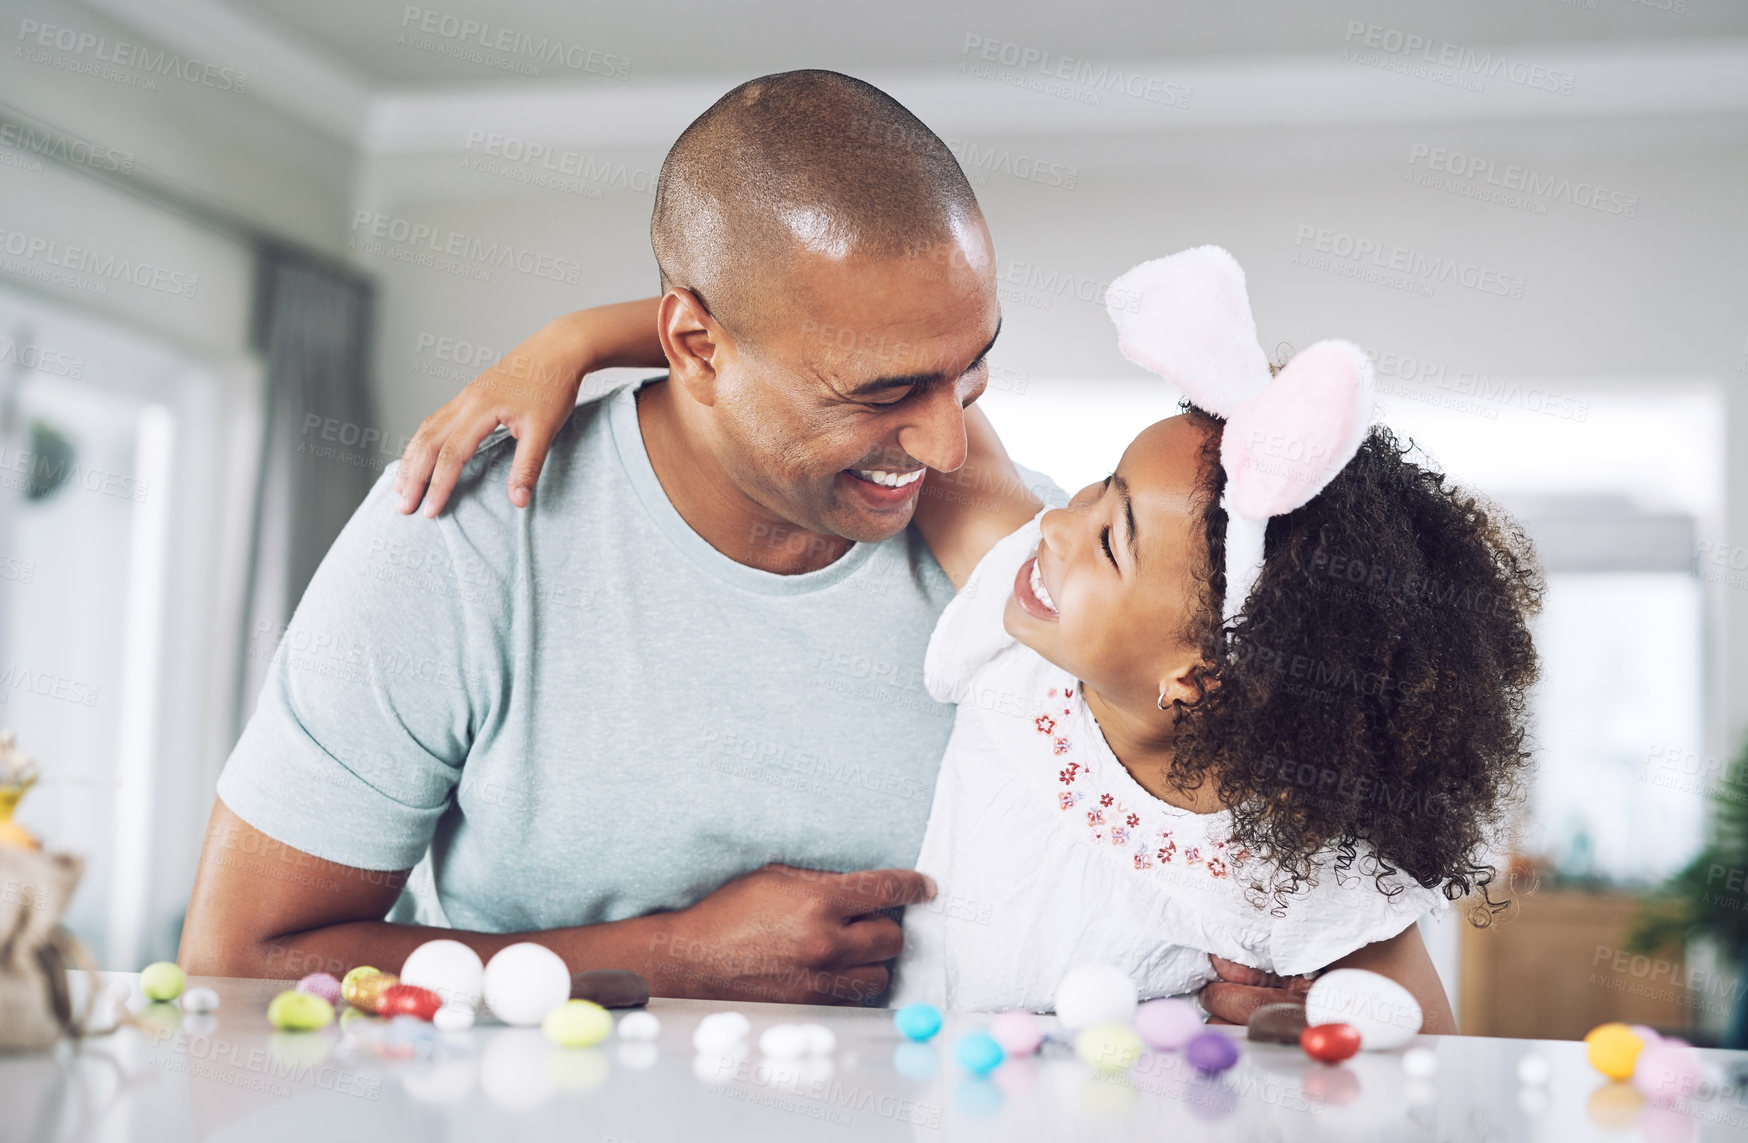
{"type": "Point", "coordinates": [583, 710]}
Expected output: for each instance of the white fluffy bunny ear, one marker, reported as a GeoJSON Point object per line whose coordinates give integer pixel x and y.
{"type": "Point", "coordinates": [1187, 318]}
{"type": "Point", "coordinates": [1284, 445]}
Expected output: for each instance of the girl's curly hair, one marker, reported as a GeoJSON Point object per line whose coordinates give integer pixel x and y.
{"type": "Point", "coordinates": [1372, 692]}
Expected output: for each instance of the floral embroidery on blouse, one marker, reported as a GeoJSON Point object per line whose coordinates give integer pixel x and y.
{"type": "Point", "coordinates": [1111, 821]}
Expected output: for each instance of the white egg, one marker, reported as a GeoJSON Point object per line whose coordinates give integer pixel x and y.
{"type": "Point", "coordinates": [200, 1000]}
{"type": "Point", "coordinates": [524, 982]}
{"type": "Point", "coordinates": [450, 969]}
{"type": "Point", "coordinates": [721, 1032]}
{"type": "Point", "coordinates": [1095, 994]}
{"type": "Point", "coordinates": [1385, 1014]}
{"type": "Point", "coordinates": [783, 1042]}
{"type": "Point", "coordinates": [1533, 1071]}
{"type": "Point", "coordinates": [639, 1025]}
{"type": "Point", "coordinates": [1420, 1062]}
{"type": "Point", "coordinates": [453, 1019]}
{"type": "Point", "coordinates": [820, 1040]}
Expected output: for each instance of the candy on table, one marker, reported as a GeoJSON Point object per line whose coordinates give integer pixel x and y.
{"type": "Point", "coordinates": [638, 1026]}
{"type": "Point", "coordinates": [1420, 1063]}
{"type": "Point", "coordinates": [721, 1032]}
{"type": "Point", "coordinates": [325, 985]}
{"type": "Point", "coordinates": [450, 969]}
{"type": "Point", "coordinates": [1109, 1047]}
{"type": "Point", "coordinates": [821, 1041]}
{"type": "Point", "coordinates": [199, 1000]}
{"type": "Point", "coordinates": [918, 1022]}
{"type": "Point", "coordinates": [1275, 1024]}
{"type": "Point", "coordinates": [977, 1052]}
{"type": "Point", "coordinates": [1095, 994]}
{"type": "Point", "coordinates": [363, 990]}
{"type": "Point", "coordinates": [1211, 1053]}
{"type": "Point", "coordinates": [611, 987]}
{"type": "Point", "coordinates": [294, 1011]}
{"type": "Point", "coordinates": [525, 981]}
{"type": "Point", "coordinates": [355, 973]}
{"type": "Point", "coordinates": [1017, 1031]}
{"type": "Point", "coordinates": [1167, 1024]}
{"type": "Point", "coordinates": [1533, 1070]}
{"type": "Point", "coordinates": [577, 1024]}
{"type": "Point", "coordinates": [408, 1000]}
{"type": "Point", "coordinates": [1613, 1049]}
{"type": "Point", "coordinates": [162, 981]}
{"type": "Point", "coordinates": [452, 1018]}
{"type": "Point", "coordinates": [1669, 1069]}
{"type": "Point", "coordinates": [1385, 1014]}
{"type": "Point", "coordinates": [783, 1042]}
{"type": "Point", "coordinates": [1330, 1043]}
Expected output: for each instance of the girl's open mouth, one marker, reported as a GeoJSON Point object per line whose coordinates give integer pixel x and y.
{"type": "Point", "coordinates": [1031, 592]}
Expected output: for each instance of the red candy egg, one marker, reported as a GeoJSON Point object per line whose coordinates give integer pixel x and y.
{"type": "Point", "coordinates": [1330, 1043]}
{"type": "Point", "coordinates": [408, 1000]}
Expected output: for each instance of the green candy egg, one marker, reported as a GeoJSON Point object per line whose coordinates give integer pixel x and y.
{"type": "Point", "coordinates": [295, 1011]}
{"type": "Point", "coordinates": [577, 1024]}
{"type": "Point", "coordinates": [162, 981]}
{"type": "Point", "coordinates": [361, 970]}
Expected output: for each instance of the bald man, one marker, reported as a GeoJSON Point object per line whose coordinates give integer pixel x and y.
{"type": "Point", "coordinates": [672, 717]}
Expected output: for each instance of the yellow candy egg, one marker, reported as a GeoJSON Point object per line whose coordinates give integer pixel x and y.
{"type": "Point", "coordinates": [577, 1024]}
{"type": "Point", "coordinates": [162, 981]}
{"type": "Point", "coordinates": [294, 1011]}
{"type": "Point", "coordinates": [1614, 1050]}
{"type": "Point", "coordinates": [1109, 1047]}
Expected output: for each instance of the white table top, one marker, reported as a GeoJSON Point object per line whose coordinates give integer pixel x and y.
{"type": "Point", "coordinates": [230, 1076]}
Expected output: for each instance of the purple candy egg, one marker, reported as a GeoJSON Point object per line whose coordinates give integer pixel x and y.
{"type": "Point", "coordinates": [1668, 1070]}
{"type": "Point", "coordinates": [1168, 1024]}
{"type": "Point", "coordinates": [1211, 1053]}
{"type": "Point", "coordinates": [322, 984]}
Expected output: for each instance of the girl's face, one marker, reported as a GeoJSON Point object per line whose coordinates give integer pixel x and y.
{"type": "Point", "coordinates": [1115, 578]}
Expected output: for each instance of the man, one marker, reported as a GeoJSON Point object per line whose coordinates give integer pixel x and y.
{"type": "Point", "coordinates": [698, 655]}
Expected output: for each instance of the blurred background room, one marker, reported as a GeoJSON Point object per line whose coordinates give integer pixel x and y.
{"type": "Point", "coordinates": [246, 245]}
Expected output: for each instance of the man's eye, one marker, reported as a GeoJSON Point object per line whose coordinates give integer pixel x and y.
{"type": "Point", "coordinates": [1105, 543]}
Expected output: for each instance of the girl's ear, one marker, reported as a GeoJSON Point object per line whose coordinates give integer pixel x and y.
{"type": "Point", "coordinates": [1180, 683]}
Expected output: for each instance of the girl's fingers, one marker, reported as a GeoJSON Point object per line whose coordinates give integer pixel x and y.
{"type": "Point", "coordinates": [462, 442]}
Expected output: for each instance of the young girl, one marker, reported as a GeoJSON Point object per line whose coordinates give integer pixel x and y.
{"type": "Point", "coordinates": [1258, 694]}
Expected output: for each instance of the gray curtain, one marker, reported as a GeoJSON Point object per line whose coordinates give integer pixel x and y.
{"type": "Point", "coordinates": [312, 329]}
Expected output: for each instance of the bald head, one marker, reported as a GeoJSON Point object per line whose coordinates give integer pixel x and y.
{"type": "Point", "coordinates": [796, 165]}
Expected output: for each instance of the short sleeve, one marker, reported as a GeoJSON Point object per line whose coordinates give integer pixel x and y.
{"type": "Point", "coordinates": [1343, 912]}
{"type": "Point", "coordinates": [375, 690]}
{"type": "Point", "coordinates": [970, 634]}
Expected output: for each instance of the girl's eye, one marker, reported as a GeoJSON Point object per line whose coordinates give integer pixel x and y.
{"type": "Point", "coordinates": [1105, 543]}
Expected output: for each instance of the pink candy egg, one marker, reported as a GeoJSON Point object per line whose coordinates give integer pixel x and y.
{"type": "Point", "coordinates": [1167, 1024]}
{"type": "Point", "coordinates": [322, 984]}
{"type": "Point", "coordinates": [1017, 1031]}
{"type": "Point", "coordinates": [1667, 1070]}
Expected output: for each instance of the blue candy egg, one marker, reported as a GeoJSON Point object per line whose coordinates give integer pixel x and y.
{"type": "Point", "coordinates": [978, 1053]}
{"type": "Point", "coordinates": [918, 1021]}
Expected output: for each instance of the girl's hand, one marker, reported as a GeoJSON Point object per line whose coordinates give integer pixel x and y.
{"type": "Point", "coordinates": [1241, 990]}
{"type": "Point", "coordinates": [531, 391]}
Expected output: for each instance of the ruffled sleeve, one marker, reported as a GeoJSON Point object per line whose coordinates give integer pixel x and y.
{"type": "Point", "coordinates": [1346, 911]}
{"type": "Point", "coordinates": [970, 635]}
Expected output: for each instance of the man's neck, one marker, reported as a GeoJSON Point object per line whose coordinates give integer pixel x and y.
{"type": "Point", "coordinates": [711, 504]}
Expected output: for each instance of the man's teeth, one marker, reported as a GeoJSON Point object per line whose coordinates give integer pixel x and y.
{"type": "Point", "coordinates": [889, 479]}
{"type": "Point", "coordinates": [1038, 588]}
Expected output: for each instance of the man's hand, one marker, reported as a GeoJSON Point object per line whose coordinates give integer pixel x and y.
{"type": "Point", "coordinates": [1241, 990]}
{"type": "Point", "coordinates": [788, 935]}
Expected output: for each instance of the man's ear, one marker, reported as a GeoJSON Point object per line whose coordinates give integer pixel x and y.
{"type": "Point", "coordinates": [695, 345]}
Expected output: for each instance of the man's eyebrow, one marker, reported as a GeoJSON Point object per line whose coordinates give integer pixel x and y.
{"type": "Point", "coordinates": [1129, 515]}
{"type": "Point", "coordinates": [909, 380]}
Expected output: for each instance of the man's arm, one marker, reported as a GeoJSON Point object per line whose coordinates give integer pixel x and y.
{"type": "Point", "coordinates": [263, 909]}
{"type": "Point", "coordinates": [1403, 958]}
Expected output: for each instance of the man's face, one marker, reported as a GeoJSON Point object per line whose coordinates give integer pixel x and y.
{"type": "Point", "coordinates": [842, 398]}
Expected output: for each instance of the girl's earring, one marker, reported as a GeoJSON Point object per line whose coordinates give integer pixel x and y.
{"type": "Point", "coordinates": [1161, 701]}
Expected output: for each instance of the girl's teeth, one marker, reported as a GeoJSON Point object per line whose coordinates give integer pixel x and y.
{"type": "Point", "coordinates": [889, 479]}
{"type": "Point", "coordinates": [1038, 588]}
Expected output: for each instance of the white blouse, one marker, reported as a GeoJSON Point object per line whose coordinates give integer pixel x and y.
{"type": "Point", "coordinates": [1047, 854]}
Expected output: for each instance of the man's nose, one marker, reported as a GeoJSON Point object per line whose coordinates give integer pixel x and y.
{"type": "Point", "coordinates": [937, 435]}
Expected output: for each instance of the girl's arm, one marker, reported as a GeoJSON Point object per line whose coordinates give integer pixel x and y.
{"type": "Point", "coordinates": [532, 391]}
{"type": "Point", "coordinates": [961, 514]}
{"type": "Point", "coordinates": [1241, 990]}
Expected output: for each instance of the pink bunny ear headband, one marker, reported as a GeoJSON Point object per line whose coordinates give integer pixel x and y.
{"type": "Point", "coordinates": [1187, 318]}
